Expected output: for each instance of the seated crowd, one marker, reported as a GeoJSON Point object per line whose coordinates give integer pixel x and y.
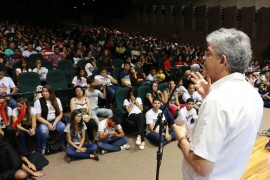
{"type": "Point", "coordinates": [102, 62]}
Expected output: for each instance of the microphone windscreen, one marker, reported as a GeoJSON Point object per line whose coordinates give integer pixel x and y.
{"type": "Point", "coordinates": [195, 67]}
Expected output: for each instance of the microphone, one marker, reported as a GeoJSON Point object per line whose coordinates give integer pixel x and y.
{"type": "Point", "coordinates": [195, 67]}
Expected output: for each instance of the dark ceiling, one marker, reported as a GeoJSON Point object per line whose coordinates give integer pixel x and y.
{"type": "Point", "coordinates": [64, 8]}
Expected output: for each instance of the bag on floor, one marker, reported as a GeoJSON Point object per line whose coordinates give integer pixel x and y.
{"type": "Point", "coordinates": [54, 143]}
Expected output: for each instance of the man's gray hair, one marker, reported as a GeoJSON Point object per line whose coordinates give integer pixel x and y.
{"type": "Point", "coordinates": [235, 45]}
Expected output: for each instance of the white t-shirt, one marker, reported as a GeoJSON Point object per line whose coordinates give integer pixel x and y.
{"type": "Point", "coordinates": [151, 78]}
{"type": "Point", "coordinates": [20, 71]}
{"type": "Point", "coordinates": [78, 82]}
{"type": "Point", "coordinates": [77, 136]}
{"type": "Point", "coordinates": [151, 118]}
{"type": "Point", "coordinates": [186, 116]}
{"type": "Point", "coordinates": [87, 66]}
{"type": "Point", "coordinates": [135, 109]}
{"type": "Point", "coordinates": [76, 60]}
{"type": "Point", "coordinates": [181, 89]}
{"type": "Point", "coordinates": [51, 111]}
{"type": "Point", "coordinates": [226, 129]}
{"type": "Point", "coordinates": [6, 84]}
{"type": "Point", "coordinates": [106, 130]}
{"type": "Point", "coordinates": [131, 65]}
{"type": "Point", "coordinates": [100, 78]}
{"type": "Point", "coordinates": [195, 96]}
{"type": "Point", "coordinates": [27, 53]}
{"type": "Point", "coordinates": [32, 113]}
{"type": "Point", "coordinates": [93, 96]}
{"type": "Point", "coordinates": [42, 72]}
{"type": "Point", "coordinates": [9, 114]}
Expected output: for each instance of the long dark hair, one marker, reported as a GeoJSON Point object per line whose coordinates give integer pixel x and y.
{"type": "Point", "coordinates": [151, 88]}
{"type": "Point", "coordinates": [20, 65]}
{"type": "Point", "coordinates": [78, 87]}
{"type": "Point", "coordinates": [79, 77]}
{"type": "Point", "coordinates": [72, 121]}
{"type": "Point", "coordinates": [28, 108]}
{"type": "Point", "coordinates": [52, 98]}
{"type": "Point", "coordinates": [133, 90]}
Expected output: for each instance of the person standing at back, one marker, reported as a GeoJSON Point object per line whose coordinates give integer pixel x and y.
{"type": "Point", "coordinates": [228, 121]}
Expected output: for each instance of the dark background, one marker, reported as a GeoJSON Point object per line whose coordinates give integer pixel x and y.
{"type": "Point", "coordinates": [56, 11]}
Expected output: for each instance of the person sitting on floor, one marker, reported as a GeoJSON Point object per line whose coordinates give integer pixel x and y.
{"type": "Point", "coordinates": [187, 115]}
{"type": "Point", "coordinates": [75, 137]}
{"type": "Point", "coordinates": [151, 118]}
{"type": "Point", "coordinates": [111, 137]}
{"type": "Point", "coordinates": [14, 163]}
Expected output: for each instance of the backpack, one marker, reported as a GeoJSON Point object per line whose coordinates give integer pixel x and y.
{"type": "Point", "coordinates": [54, 143]}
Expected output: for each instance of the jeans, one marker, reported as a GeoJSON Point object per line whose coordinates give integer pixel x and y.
{"type": "Point", "coordinates": [43, 133]}
{"type": "Point", "coordinates": [103, 112]}
{"type": "Point", "coordinates": [154, 137]}
{"type": "Point", "coordinates": [25, 140]}
{"type": "Point", "coordinates": [111, 92]}
{"type": "Point", "coordinates": [112, 144]}
{"type": "Point", "coordinates": [167, 115]}
{"type": "Point", "coordinates": [12, 103]}
{"type": "Point", "coordinates": [71, 151]}
{"type": "Point", "coordinates": [146, 83]}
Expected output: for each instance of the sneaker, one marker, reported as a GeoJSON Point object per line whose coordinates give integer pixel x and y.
{"type": "Point", "coordinates": [141, 146]}
{"type": "Point", "coordinates": [96, 156]}
{"type": "Point", "coordinates": [68, 159]}
{"type": "Point", "coordinates": [138, 141]}
{"type": "Point", "coordinates": [267, 146]}
{"type": "Point", "coordinates": [125, 147]}
{"type": "Point", "coordinates": [103, 152]}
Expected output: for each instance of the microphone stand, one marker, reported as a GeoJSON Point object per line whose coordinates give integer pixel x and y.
{"type": "Point", "coordinates": [161, 128]}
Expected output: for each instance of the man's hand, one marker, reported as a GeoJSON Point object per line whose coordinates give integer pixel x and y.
{"type": "Point", "coordinates": [202, 86]}
{"type": "Point", "coordinates": [179, 131]}
{"type": "Point", "coordinates": [113, 133]}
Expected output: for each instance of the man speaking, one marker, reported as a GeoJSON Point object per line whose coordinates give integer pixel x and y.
{"type": "Point", "coordinates": [230, 115]}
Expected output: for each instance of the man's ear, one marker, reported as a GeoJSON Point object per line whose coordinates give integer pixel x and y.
{"type": "Point", "coordinates": [223, 60]}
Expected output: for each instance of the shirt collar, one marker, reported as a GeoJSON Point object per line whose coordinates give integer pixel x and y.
{"type": "Point", "coordinates": [233, 76]}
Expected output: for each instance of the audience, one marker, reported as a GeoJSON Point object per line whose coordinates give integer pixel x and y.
{"type": "Point", "coordinates": [100, 52]}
